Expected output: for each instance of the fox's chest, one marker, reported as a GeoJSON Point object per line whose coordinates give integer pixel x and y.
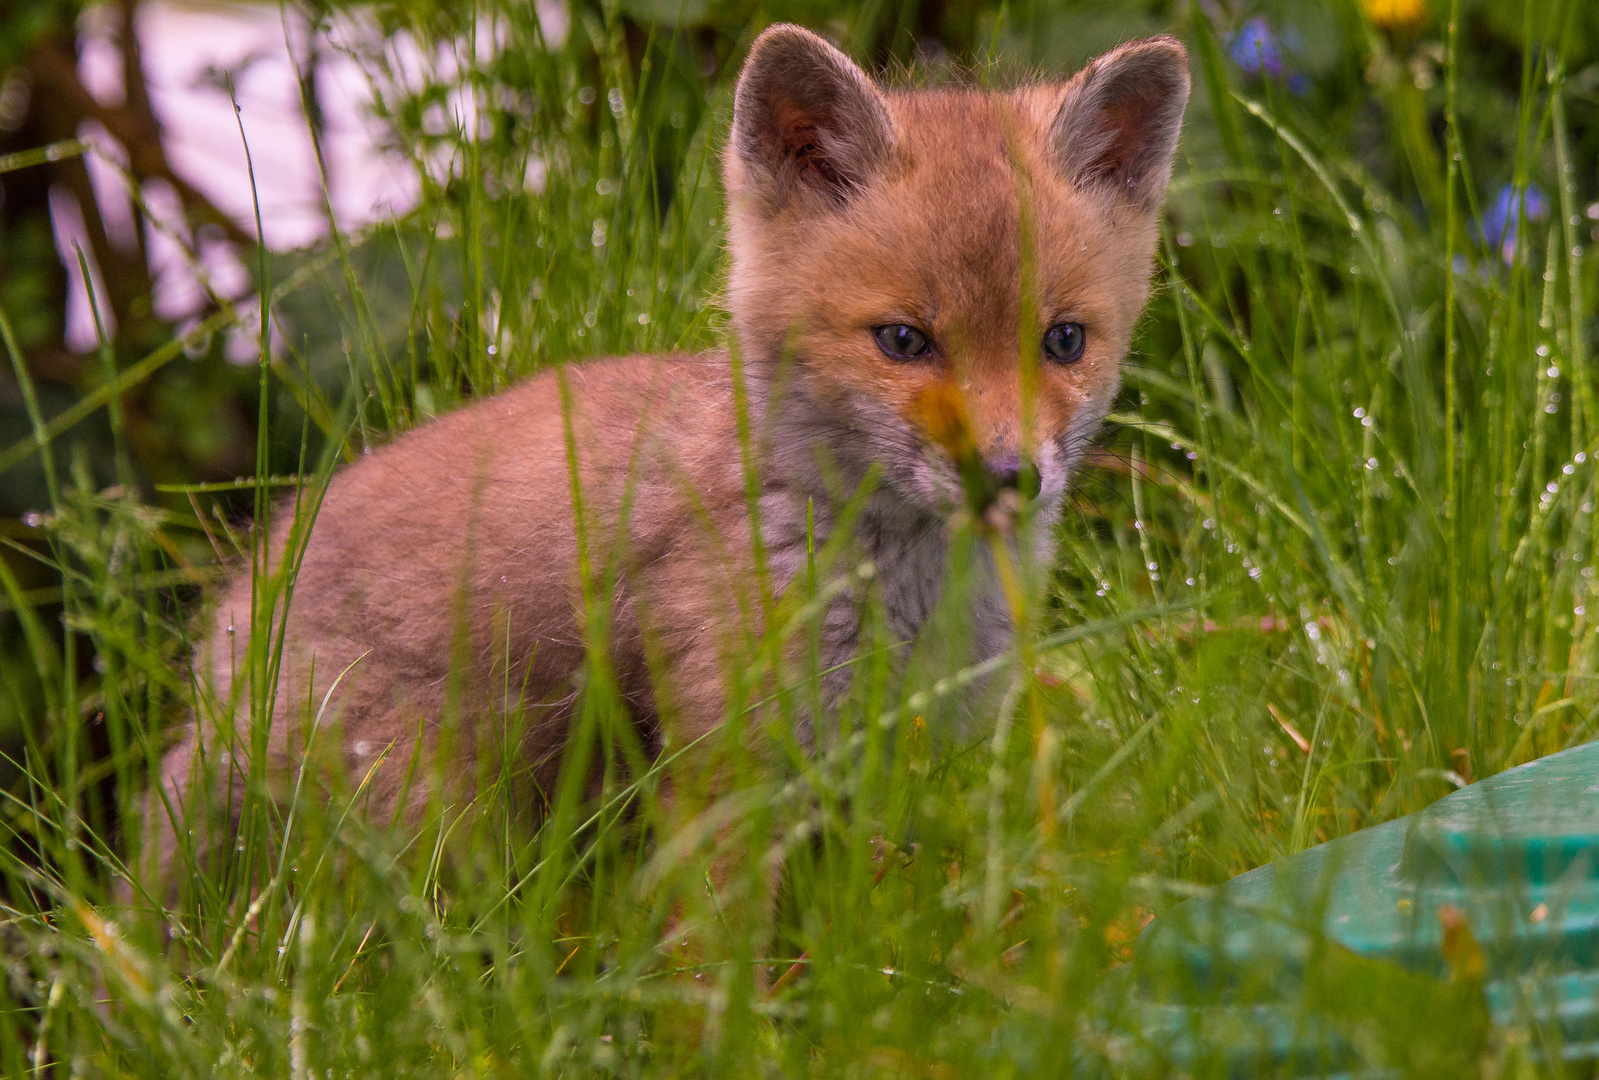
{"type": "Point", "coordinates": [935, 597]}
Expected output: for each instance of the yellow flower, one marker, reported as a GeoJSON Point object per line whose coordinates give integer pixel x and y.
{"type": "Point", "coordinates": [1389, 13]}
{"type": "Point", "coordinates": [943, 417]}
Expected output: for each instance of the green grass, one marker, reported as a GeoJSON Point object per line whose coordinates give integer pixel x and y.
{"type": "Point", "coordinates": [1334, 561]}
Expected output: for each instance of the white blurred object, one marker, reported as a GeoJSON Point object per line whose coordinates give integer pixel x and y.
{"type": "Point", "coordinates": [191, 51]}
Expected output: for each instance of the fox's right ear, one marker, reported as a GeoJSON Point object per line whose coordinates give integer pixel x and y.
{"type": "Point", "coordinates": [1117, 127]}
{"type": "Point", "coordinates": [806, 121]}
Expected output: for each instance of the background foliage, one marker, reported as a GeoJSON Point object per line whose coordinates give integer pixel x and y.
{"type": "Point", "coordinates": [1335, 559]}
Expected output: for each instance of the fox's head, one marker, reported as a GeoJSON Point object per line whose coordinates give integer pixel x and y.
{"type": "Point", "coordinates": [945, 273]}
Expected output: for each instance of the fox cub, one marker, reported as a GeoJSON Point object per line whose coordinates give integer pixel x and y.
{"type": "Point", "coordinates": [895, 256]}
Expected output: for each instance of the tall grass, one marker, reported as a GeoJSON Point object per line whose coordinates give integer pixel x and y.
{"type": "Point", "coordinates": [1335, 560]}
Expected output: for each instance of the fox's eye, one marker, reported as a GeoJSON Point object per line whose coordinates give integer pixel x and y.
{"type": "Point", "coordinates": [901, 342]}
{"type": "Point", "coordinates": [1064, 342]}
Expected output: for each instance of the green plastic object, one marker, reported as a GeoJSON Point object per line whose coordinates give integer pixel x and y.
{"type": "Point", "coordinates": [1480, 912]}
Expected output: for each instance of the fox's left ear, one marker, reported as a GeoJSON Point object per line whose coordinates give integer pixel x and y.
{"type": "Point", "coordinates": [807, 122]}
{"type": "Point", "coordinates": [1117, 125]}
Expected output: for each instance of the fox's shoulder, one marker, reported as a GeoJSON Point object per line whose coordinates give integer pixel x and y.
{"type": "Point", "coordinates": [664, 388]}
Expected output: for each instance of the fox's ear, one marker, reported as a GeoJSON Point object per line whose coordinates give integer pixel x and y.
{"type": "Point", "coordinates": [1118, 123]}
{"type": "Point", "coordinates": [805, 119]}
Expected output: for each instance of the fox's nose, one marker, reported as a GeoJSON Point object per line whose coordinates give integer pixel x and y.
{"type": "Point", "coordinates": [1006, 469]}
{"type": "Point", "coordinates": [1008, 472]}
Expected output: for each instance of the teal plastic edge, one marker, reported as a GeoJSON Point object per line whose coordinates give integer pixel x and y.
{"type": "Point", "coordinates": [1491, 893]}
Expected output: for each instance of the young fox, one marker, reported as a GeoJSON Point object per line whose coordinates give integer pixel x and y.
{"type": "Point", "coordinates": [889, 250]}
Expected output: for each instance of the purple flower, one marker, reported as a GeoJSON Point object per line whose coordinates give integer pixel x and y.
{"type": "Point", "coordinates": [1259, 51]}
{"type": "Point", "coordinates": [1256, 49]}
{"type": "Point", "coordinates": [1501, 222]}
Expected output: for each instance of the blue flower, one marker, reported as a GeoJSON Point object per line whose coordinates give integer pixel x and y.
{"type": "Point", "coordinates": [1259, 51]}
{"type": "Point", "coordinates": [1256, 49]}
{"type": "Point", "coordinates": [1501, 222]}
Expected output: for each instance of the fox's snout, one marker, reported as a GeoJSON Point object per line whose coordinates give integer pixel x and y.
{"type": "Point", "coordinates": [984, 451]}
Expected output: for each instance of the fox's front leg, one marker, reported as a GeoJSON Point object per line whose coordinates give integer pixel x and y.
{"type": "Point", "coordinates": [714, 863]}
